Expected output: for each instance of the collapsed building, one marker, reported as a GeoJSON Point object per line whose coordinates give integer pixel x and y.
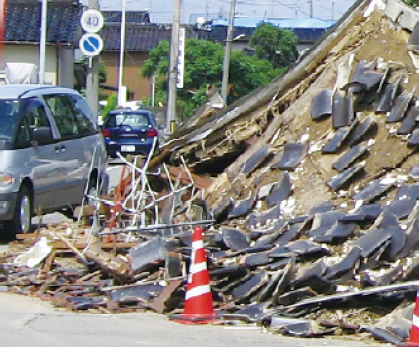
{"type": "Point", "coordinates": [309, 194]}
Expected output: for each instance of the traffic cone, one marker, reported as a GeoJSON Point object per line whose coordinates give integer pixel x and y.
{"type": "Point", "coordinates": [414, 331]}
{"type": "Point", "coordinates": [198, 307]}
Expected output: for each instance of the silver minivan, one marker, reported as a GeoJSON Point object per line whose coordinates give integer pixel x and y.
{"type": "Point", "coordinates": [51, 152]}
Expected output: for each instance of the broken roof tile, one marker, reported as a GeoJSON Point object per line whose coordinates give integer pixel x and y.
{"type": "Point", "coordinates": [241, 208]}
{"type": "Point", "coordinates": [291, 157]}
{"type": "Point", "coordinates": [280, 191]}
{"type": "Point", "coordinates": [272, 234]}
{"type": "Point", "coordinates": [313, 277]}
{"type": "Point", "coordinates": [306, 248]}
{"type": "Point", "coordinates": [337, 233]}
{"type": "Point", "coordinates": [350, 157]}
{"type": "Point", "coordinates": [342, 109]}
{"type": "Point", "coordinates": [342, 134]}
{"type": "Point", "coordinates": [146, 254]}
{"type": "Point", "coordinates": [400, 208]}
{"type": "Point", "coordinates": [371, 241]}
{"type": "Point", "coordinates": [255, 160]}
{"type": "Point", "coordinates": [235, 239]}
{"type": "Point", "coordinates": [414, 138]}
{"type": "Point", "coordinates": [342, 179]}
{"type": "Point", "coordinates": [322, 222]}
{"type": "Point", "coordinates": [348, 264]}
{"type": "Point", "coordinates": [364, 77]}
{"type": "Point", "coordinates": [321, 105]}
{"type": "Point", "coordinates": [265, 218]}
{"type": "Point", "coordinates": [372, 191]}
{"type": "Point", "coordinates": [257, 259]}
{"type": "Point", "coordinates": [409, 122]}
{"type": "Point", "coordinates": [249, 285]}
{"type": "Point", "coordinates": [364, 213]}
{"type": "Point", "coordinates": [389, 96]}
{"type": "Point", "coordinates": [400, 107]}
{"type": "Point", "coordinates": [362, 130]}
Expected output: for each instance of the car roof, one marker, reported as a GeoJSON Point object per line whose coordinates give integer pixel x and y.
{"type": "Point", "coordinates": [14, 91]}
{"type": "Point", "coordinates": [129, 111]}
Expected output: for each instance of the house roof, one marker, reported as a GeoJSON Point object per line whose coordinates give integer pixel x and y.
{"type": "Point", "coordinates": [141, 37]}
{"type": "Point", "coordinates": [286, 23]}
{"type": "Point", "coordinates": [307, 30]}
{"type": "Point", "coordinates": [130, 16]}
{"type": "Point", "coordinates": [137, 37]}
{"type": "Point", "coordinates": [23, 21]}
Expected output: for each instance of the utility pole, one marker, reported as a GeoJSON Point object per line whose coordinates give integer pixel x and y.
{"type": "Point", "coordinates": [173, 64]}
{"type": "Point", "coordinates": [122, 92]}
{"type": "Point", "coordinates": [311, 9]}
{"type": "Point", "coordinates": [43, 40]}
{"type": "Point", "coordinates": [92, 78]}
{"type": "Point", "coordinates": [227, 52]}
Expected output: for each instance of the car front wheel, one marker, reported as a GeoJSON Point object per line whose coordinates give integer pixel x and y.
{"type": "Point", "coordinates": [21, 221]}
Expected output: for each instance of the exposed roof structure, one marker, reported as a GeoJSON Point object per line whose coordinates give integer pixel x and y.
{"type": "Point", "coordinates": [23, 21]}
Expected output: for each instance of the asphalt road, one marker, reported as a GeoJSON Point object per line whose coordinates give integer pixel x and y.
{"type": "Point", "coordinates": [27, 321]}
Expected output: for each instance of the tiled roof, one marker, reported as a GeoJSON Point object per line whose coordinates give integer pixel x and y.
{"type": "Point", "coordinates": [286, 23]}
{"type": "Point", "coordinates": [23, 21]}
{"type": "Point", "coordinates": [140, 37]}
{"type": "Point", "coordinates": [130, 16]}
{"type": "Point", "coordinates": [137, 37]}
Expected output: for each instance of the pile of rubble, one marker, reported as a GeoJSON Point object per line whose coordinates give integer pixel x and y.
{"type": "Point", "coordinates": [308, 189]}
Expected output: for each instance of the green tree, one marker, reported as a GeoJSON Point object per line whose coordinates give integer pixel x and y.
{"type": "Point", "coordinates": [412, 2]}
{"type": "Point", "coordinates": [274, 44]}
{"type": "Point", "coordinates": [110, 105]}
{"type": "Point", "coordinates": [203, 67]}
{"type": "Point", "coordinates": [248, 73]}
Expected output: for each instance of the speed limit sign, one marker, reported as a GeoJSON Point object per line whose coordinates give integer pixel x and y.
{"type": "Point", "coordinates": [91, 21]}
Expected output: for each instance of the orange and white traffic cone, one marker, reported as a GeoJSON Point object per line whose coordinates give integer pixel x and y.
{"type": "Point", "coordinates": [198, 307]}
{"type": "Point", "coordinates": [414, 331]}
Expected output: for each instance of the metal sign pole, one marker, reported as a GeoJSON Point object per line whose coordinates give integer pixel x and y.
{"type": "Point", "coordinates": [92, 79]}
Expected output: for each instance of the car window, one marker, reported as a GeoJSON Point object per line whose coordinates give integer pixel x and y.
{"type": "Point", "coordinates": [68, 112]}
{"type": "Point", "coordinates": [8, 113]}
{"type": "Point", "coordinates": [34, 118]}
{"type": "Point", "coordinates": [132, 120]}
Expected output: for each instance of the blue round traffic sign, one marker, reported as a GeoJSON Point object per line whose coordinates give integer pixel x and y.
{"type": "Point", "coordinates": [91, 44]}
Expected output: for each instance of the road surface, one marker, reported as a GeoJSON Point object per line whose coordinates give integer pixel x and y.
{"type": "Point", "coordinates": [27, 321]}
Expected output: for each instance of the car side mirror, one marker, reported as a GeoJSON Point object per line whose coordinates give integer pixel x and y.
{"type": "Point", "coordinates": [41, 134]}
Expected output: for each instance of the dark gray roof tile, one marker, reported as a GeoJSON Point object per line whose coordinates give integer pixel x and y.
{"type": "Point", "coordinates": [23, 21]}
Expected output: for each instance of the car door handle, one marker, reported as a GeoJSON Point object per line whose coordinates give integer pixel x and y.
{"type": "Point", "coordinates": [61, 148]}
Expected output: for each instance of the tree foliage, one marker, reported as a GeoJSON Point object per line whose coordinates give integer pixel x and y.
{"type": "Point", "coordinates": [110, 105]}
{"type": "Point", "coordinates": [412, 2]}
{"type": "Point", "coordinates": [204, 67]}
{"type": "Point", "coordinates": [274, 44]}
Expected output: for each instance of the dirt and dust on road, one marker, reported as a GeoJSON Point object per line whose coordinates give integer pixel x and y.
{"type": "Point", "coordinates": [307, 190]}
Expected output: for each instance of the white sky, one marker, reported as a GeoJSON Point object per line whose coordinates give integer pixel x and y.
{"type": "Point", "coordinates": [161, 10]}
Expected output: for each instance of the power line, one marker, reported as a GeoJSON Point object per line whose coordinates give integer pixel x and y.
{"type": "Point", "coordinates": [254, 8]}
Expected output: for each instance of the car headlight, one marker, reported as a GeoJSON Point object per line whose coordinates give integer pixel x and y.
{"type": "Point", "coordinates": [6, 179]}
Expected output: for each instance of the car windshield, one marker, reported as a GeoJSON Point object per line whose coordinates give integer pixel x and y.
{"type": "Point", "coordinates": [129, 119]}
{"type": "Point", "coordinates": [8, 113]}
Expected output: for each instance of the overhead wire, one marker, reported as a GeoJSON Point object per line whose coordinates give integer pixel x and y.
{"type": "Point", "coordinates": [299, 7]}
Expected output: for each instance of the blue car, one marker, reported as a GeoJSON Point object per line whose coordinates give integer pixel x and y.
{"type": "Point", "coordinates": [130, 132]}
